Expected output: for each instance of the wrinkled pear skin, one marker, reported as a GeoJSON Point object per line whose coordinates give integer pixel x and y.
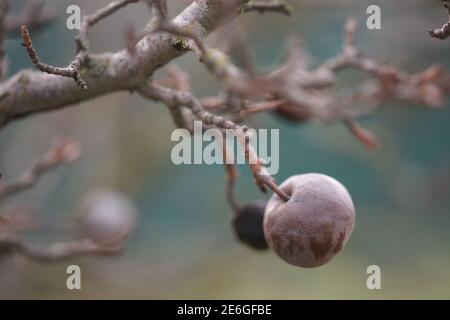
{"type": "Point", "coordinates": [314, 225]}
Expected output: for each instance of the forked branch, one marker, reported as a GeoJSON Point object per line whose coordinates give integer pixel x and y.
{"type": "Point", "coordinates": [73, 70]}
{"type": "Point", "coordinates": [62, 152]}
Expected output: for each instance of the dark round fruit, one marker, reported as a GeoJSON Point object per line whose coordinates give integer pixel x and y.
{"type": "Point", "coordinates": [248, 225]}
{"type": "Point", "coordinates": [292, 113]}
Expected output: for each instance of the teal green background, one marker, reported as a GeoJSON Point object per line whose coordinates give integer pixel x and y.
{"type": "Point", "coordinates": [184, 246]}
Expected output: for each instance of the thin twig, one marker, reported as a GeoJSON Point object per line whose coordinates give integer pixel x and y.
{"type": "Point", "coordinates": [231, 175]}
{"type": "Point", "coordinates": [177, 99]}
{"type": "Point", "coordinates": [366, 137]}
{"type": "Point", "coordinates": [52, 252]}
{"type": "Point", "coordinates": [72, 71]}
{"type": "Point", "coordinates": [261, 107]}
{"type": "Point", "coordinates": [63, 152]}
{"type": "Point", "coordinates": [270, 182]}
{"type": "Point", "coordinates": [82, 44]}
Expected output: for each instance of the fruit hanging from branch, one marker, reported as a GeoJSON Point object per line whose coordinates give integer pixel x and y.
{"type": "Point", "coordinates": [314, 225]}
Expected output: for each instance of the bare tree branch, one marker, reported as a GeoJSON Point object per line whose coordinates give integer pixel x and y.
{"type": "Point", "coordinates": [231, 175]}
{"type": "Point", "coordinates": [272, 6]}
{"type": "Point", "coordinates": [71, 71]}
{"type": "Point", "coordinates": [28, 92]}
{"type": "Point", "coordinates": [311, 90]}
{"type": "Point", "coordinates": [300, 87]}
{"type": "Point", "coordinates": [176, 99]}
{"type": "Point", "coordinates": [63, 151]}
{"type": "Point", "coordinates": [11, 244]}
{"type": "Point", "coordinates": [366, 137]}
{"type": "Point", "coordinates": [82, 44]}
{"type": "Point", "coordinates": [294, 90]}
{"type": "Point", "coordinates": [158, 9]}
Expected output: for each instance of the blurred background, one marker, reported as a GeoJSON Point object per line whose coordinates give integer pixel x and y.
{"type": "Point", "coordinates": [184, 246]}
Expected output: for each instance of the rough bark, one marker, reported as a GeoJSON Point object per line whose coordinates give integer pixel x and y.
{"type": "Point", "coordinates": [30, 92]}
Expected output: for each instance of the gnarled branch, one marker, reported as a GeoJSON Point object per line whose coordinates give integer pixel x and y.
{"type": "Point", "coordinates": [30, 92]}
{"type": "Point", "coordinates": [63, 151]}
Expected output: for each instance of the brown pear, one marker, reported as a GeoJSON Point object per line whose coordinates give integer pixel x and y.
{"type": "Point", "coordinates": [314, 225]}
